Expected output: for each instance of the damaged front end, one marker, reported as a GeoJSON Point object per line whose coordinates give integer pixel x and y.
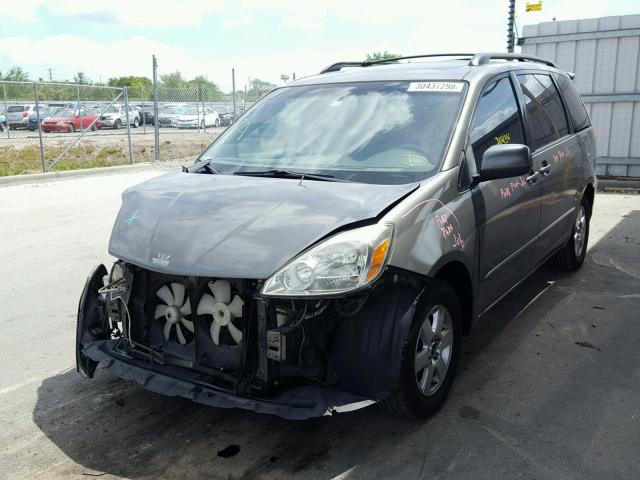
{"type": "Point", "coordinates": [224, 343]}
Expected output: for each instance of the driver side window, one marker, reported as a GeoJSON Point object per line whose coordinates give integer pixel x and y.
{"type": "Point", "coordinates": [497, 118]}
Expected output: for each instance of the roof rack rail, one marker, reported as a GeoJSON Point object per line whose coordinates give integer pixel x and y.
{"type": "Point", "coordinates": [340, 65]}
{"type": "Point", "coordinates": [484, 58]}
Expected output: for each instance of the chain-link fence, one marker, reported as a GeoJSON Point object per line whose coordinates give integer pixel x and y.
{"type": "Point", "coordinates": [54, 126]}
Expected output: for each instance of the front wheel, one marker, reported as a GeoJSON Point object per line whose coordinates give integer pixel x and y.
{"type": "Point", "coordinates": [117, 124]}
{"type": "Point", "coordinates": [72, 128]}
{"type": "Point", "coordinates": [572, 255]}
{"type": "Point", "coordinates": [430, 358]}
{"type": "Point", "coordinates": [217, 122]}
{"type": "Point", "coordinates": [136, 123]}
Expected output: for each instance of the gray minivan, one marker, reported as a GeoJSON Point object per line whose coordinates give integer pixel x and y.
{"type": "Point", "coordinates": [335, 244]}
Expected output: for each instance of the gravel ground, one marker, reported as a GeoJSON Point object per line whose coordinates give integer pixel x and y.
{"type": "Point", "coordinates": [548, 387]}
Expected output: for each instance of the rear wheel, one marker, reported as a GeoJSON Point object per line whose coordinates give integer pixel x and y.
{"type": "Point", "coordinates": [572, 255]}
{"type": "Point", "coordinates": [136, 123]}
{"type": "Point", "coordinates": [430, 358]}
{"type": "Point", "coordinates": [117, 124]}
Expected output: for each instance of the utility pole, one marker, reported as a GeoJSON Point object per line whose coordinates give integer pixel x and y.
{"type": "Point", "coordinates": [510, 25]}
{"type": "Point", "coordinates": [50, 75]}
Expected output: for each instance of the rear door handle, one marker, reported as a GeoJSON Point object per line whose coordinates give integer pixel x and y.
{"type": "Point", "coordinates": [532, 178]}
{"type": "Point", "coordinates": [544, 170]}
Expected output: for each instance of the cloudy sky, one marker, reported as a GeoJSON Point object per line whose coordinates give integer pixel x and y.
{"type": "Point", "coordinates": [260, 38]}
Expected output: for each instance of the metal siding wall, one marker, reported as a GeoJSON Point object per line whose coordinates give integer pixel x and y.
{"type": "Point", "coordinates": [606, 66]}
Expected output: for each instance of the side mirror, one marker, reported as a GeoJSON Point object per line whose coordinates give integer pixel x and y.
{"type": "Point", "coordinates": [505, 161]}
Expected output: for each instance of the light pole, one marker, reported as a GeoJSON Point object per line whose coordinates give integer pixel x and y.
{"type": "Point", "coordinates": [510, 24]}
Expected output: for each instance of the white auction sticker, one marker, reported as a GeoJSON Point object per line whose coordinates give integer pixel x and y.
{"type": "Point", "coordinates": [435, 87]}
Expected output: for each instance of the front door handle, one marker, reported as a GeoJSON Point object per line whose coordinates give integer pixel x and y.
{"type": "Point", "coordinates": [544, 170]}
{"type": "Point", "coordinates": [532, 178]}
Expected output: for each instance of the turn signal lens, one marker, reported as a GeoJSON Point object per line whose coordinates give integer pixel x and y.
{"type": "Point", "coordinates": [378, 258]}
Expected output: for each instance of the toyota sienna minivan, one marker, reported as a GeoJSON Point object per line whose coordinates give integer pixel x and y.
{"type": "Point", "coordinates": [335, 244]}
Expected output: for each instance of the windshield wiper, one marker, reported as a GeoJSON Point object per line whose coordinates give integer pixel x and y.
{"type": "Point", "coordinates": [322, 177]}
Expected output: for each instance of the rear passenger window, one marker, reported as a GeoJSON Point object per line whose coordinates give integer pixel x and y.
{"type": "Point", "coordinates": [497, 118]}
{"type": "Point", "coordinates": [545, 112]}
{"type": "Point", "coordinates": [577, 111]}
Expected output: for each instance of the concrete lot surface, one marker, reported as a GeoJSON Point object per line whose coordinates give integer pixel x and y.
{"type": "Point", "coordinates": [549, 387]}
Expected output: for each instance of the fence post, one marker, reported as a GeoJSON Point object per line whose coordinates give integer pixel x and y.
{"type": "Point", "coordinates": [79, 108]}
{"type": "Point", "coordinates": [204, 113]}
{"type": "Point", "coordinates": [143, 119]}
{"type": "Point", "coordinates": [4, 89]}
{"type": "Point", "coordinates": [156, 129]}
{"type": "Point", "coordinates": [35, 94]}
{"type": "Point", "coordinates": [126, 113]}
{"type": "Point", "coordinates": [233, 82]}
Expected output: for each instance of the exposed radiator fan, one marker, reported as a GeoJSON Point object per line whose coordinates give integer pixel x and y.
{"type": "Point", "coordinates": [175, 310]}
{"type": "Point", "coordinates": [222, 309]}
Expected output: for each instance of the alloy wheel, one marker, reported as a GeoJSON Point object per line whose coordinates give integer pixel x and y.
{"type": "Point", "coordinates": [433, 350]}
{"type": "Point", "coordinates": [579, 231]}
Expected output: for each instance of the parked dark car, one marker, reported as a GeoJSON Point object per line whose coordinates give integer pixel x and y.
{"type": "Point", "coordinates": [333, 246]}
{"type": "Point", "coordinates": [147, 116]}
{"type": "Point", "coordinates": [42, 114]}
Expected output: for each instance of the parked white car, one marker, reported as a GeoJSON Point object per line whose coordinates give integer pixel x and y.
{"type": "Point", "coordinates": [18, 115]}
{"type": "Point", "coordinates": [194, 117]}
{"type": "Point", "coordinates": [115, 116]}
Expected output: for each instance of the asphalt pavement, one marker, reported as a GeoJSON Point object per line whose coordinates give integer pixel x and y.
{"type": "Point", "coordinates": [549, 386]}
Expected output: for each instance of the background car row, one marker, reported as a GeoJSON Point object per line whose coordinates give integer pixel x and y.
{"type": "Point", "coordinates": [66, 116]}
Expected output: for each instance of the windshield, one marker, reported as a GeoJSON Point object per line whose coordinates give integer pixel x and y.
{"type": "Point", "coordinates": [67, 113]}
{"type": "Point", "coordinates": [373, 132]}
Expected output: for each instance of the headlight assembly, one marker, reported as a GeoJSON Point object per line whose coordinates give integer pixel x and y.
{"type": "Point", "coordinates": [344, 262]}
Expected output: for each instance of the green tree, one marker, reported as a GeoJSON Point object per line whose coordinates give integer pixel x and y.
{"type": "Point", "coordinates": [173, 80]}
{"type": "Point", "coordinates": [207, 91]}
{"type": "Point", "coordinates": [137, 86]}
{"type": "Point", "coordinates": [258, 89]}
{"type": "Point", "coordinates": [377, 56]}
{"type": "Point", "coordinates": [81, 79]}
{"type": "Point", "coordinates": [15, 74]}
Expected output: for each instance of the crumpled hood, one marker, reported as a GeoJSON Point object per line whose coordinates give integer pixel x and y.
{"type": "Point", "coordinates": [235, 226]}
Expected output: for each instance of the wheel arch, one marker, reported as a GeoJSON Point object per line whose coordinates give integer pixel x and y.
{"type": "Point", "coordinates": [589, 193]}
{"type": "Point", "coordinates": [456, 274]}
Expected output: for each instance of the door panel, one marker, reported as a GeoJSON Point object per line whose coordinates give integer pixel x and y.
{"type": "Point", "coordinates": [554, 153]}
{"type": "Point", "coordinates": [508, 209]}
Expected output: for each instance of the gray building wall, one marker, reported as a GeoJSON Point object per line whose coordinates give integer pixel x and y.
{"type": "Point", "coordinates": [604, 53]}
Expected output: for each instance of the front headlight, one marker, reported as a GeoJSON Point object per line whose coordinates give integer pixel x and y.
{"type": "Point", "coordinates": [62, 124]}
{"type": "Point", "coordinates": [347, 261]}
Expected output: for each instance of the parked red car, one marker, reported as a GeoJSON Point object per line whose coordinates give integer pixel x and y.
{"type": "Point", "coordinates": [70, 121]}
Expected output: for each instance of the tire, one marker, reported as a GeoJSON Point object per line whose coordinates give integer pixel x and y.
{"type": "Point", "coordinates": [217, 122]}
{"type": "Point", "coordinates": [202, 125]}
{"type": "Point", "coordinates": [93, 127]}
{"type": "Point", "coordinates": [117, 124]}
{"type": "Point", "coordinates": [136, 123]}
{"type": "Point", "coordinates": [71, 128]}
{"type": "Point", "coordinates": [420, 395]}
{"type": "Point", "coordinates": [572, 255]}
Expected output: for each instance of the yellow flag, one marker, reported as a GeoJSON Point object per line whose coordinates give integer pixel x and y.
{"type": "Point", "coordinates": [534, 6]}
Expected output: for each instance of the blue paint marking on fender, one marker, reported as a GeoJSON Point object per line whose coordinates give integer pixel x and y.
{"type": "Point", "coordinates": [133, 217]}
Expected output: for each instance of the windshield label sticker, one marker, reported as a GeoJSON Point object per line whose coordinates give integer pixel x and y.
{"type": "Point", "coordinates": [435, 87]}
{"type": "Point", "coordinates": [503, 139]}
